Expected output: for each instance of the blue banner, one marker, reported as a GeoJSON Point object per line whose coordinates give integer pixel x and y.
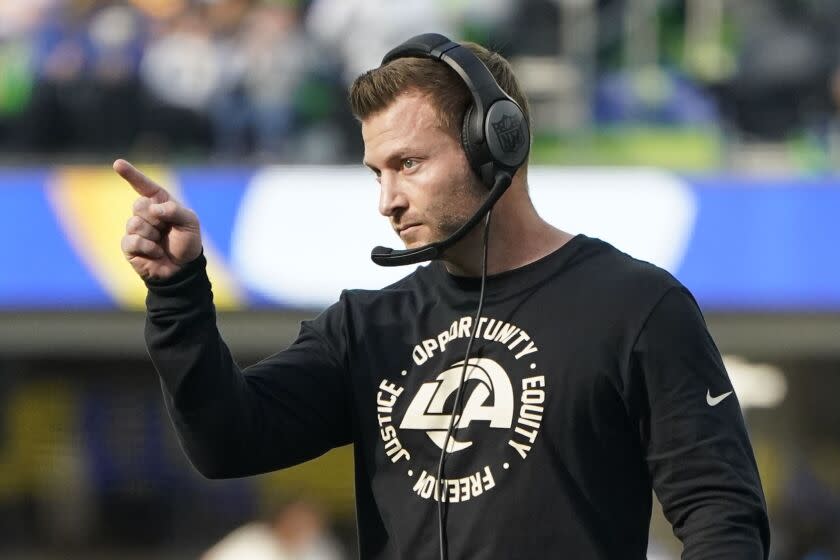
{"type": "Point", "coordinates": [293, 237]}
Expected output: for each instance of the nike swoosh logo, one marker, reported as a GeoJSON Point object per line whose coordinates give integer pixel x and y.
{"type": "Point", "coordinates": [714, 401]}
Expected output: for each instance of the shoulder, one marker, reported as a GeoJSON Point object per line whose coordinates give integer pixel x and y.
{"type": "Point", "coordinates": [607, 261]}
{"type": "Point", "coordinates": [618, 280]}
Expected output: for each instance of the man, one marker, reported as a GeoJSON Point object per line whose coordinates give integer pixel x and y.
{"type": "Point", "coordinates": [592, 379]}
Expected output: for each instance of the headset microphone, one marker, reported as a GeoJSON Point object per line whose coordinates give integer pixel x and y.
{"type": "Point", "coordinates": [494, 135]}
{"type": "Point", "coordinates": [383, 256]}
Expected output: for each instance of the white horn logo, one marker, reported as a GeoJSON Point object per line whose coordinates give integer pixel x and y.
{"type": "Point", "coordinates": [425, 412]}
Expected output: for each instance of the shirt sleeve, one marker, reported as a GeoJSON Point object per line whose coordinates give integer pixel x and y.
{"type": "Point", "coordinates": [284, 410]}
{"type": "Point", "coordinates": [697, 448]}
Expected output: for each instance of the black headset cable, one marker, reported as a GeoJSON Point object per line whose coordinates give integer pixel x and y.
{"type": "Point", "coordinates": [444, 555]}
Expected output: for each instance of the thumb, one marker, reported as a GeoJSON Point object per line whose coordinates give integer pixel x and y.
{"type": "Point", "coordinates": [172, 213]}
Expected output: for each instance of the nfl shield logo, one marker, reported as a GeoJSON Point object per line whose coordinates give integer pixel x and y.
{"type": "Point", "coordinates": [509, 131]}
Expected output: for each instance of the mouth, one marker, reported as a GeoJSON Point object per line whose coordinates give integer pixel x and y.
{"type": "Point", "coordinates": [402, 230]}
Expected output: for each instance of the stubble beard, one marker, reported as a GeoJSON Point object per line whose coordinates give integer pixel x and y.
{"type": "Point", "coordinates": [455, 211]}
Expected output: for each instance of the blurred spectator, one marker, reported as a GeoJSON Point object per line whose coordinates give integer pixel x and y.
{"type": "Point", "coordinates": [17, 20]}
{"type": "Point", "coordinates": [297, 531]}
{"type": "Point", "coordinates": [263, 65]}
{"type": "Point", "coordinates": [360, 31]}
{"type": "Point", "coordinates": [85, 58]}
{"type": "Point", "coordinates": [780, 84]}
{"type": "Point", "coordinates": [181, 71]}
{"type": "Point", "coordinates": [353, 35]}
{"type": "Point", "coordinates": [15, 84]}
{"type": "Point", "coordinates": [652, 96]}
{"type": "Point", "coordinates": [180, 66]}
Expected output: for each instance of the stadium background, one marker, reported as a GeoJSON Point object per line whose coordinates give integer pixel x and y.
{"type": "Point", "coordinates": [700, 134]}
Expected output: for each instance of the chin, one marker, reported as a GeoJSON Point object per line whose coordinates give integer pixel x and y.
{"type": "Point", "coordinates": [414, 244]}
{"type": "Point", "coordinates": [426, 236]}
{"type": "Point", "coordinates": [412, 240]}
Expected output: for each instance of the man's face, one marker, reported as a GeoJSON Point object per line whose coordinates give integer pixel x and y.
{"type": "Point", "coordinates": [426, 187]}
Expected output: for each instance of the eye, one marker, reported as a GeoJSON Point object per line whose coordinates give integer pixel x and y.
{"type": "Point", "coordinates": [408, 163]}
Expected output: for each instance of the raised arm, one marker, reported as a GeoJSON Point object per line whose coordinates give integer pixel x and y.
{"type": "Point", "coordinates": [289, 408]}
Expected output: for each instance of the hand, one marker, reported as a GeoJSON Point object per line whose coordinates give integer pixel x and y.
{"type": "Point", "coordinates": [162, 235]}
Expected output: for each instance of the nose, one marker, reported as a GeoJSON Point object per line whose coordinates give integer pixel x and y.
{"type": "Point", "coordinates": [392, 198]}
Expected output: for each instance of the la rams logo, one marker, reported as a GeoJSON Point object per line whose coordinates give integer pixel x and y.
{"type": "Point", "coordinates": [504, 398]}
{"type": "Point", "coordinates": [426, 409]}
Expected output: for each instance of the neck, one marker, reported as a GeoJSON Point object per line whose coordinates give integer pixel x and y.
{"type": "Point", "coordinates": [518, 236]}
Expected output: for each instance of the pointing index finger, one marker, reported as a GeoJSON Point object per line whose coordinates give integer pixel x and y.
{"type": "Point", "coordinates": [140, 182]}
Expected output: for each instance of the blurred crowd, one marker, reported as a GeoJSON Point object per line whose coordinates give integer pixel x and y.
{"type": "Point", "coordinates": [266, 79]}
{"type": "Point", "coordinates": [194, 77]}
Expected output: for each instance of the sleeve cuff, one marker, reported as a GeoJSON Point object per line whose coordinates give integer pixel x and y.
{"type": "Point", "coordinates": [191, 280]}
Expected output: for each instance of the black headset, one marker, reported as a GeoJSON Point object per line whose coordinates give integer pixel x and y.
{"type": "Point", "coordinates": [494, 135]}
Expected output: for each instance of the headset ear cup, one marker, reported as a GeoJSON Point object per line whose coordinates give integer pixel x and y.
{"type": "Point", "coordinates": [507, 134]}
{"type": "Point", "coordinates": [476, 158]}
{"type": "Point", "coordinates": [465, 137]}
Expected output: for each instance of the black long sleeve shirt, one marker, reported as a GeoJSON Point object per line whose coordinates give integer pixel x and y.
{"type": "Point", "coordinates": [592, 381]}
